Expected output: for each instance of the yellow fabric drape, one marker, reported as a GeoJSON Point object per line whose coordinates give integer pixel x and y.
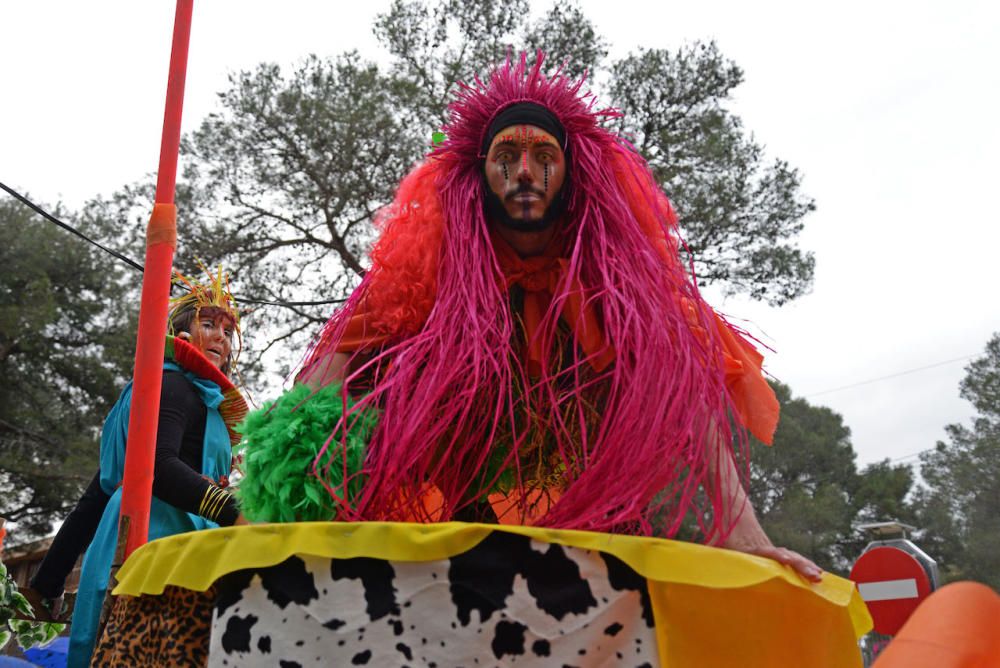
{"type": "Point", "coordinates": [713, 607]}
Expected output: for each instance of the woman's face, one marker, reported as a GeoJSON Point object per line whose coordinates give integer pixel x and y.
{"type": "Point", "coordinates": [212, 334]}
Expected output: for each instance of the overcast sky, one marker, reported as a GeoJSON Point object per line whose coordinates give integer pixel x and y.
{"type": "Point", "coordinates": [889, 109]}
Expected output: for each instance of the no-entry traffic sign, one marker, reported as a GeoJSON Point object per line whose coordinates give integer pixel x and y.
{"type": "Point", "coordinates": [892, 583]}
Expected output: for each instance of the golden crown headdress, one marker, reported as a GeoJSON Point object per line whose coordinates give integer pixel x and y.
{"type": "Point", "coordinates": [213, 293]}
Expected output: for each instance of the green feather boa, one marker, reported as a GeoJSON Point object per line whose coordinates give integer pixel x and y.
{"type": "Point", "coordinates": [281, 442]}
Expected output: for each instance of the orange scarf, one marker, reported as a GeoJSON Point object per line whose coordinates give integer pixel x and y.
{"type": "Point", "coordinates": [539, 277]}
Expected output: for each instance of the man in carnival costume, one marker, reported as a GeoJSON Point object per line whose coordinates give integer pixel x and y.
{"type": "Point", "coordinates": [534, 345]}
{"type": "Point", "coordinates": [199, 408]}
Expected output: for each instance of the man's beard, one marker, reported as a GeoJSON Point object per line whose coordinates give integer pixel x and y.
{"type": "Point", "coordinates": [495, 210]}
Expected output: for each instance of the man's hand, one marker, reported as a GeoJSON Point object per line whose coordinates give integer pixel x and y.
{"type": "Point", "coordinates": [746, 535]}
{"type": "Point", "coordinates": [782, 555]}
{"type": "Point", "coordinates": [745, 531]}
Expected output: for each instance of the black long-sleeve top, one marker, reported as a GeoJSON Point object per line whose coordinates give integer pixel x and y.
{"type": "Point", "coordinates": [180, 439]}
{"type": "Point", "coordinates": [180, 436]}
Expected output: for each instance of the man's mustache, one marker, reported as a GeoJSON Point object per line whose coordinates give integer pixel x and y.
{"type": "Point", "coordinates": [524, 188]}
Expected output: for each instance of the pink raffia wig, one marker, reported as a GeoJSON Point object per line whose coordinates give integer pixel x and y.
{"type": "Point", "coordinates": [444, 364]}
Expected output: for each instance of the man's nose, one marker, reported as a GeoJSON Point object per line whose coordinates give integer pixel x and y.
{"type": "Point", "coordinates": [524, 173]}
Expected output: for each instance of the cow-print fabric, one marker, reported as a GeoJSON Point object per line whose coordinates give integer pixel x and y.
{"type": "Point", "coordinates": [510, 601]}
{"type": "Point", "coordinates": [171, 629]}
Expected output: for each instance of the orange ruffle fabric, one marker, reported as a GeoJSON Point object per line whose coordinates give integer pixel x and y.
{"type": "Point", "coordinates": [956, 627]}
{"type": "Point", "coordinates": [508, 507]}
{"type": "Point", "coordinates": [752, 397]}
{"type": "Point", "coordinates": [539, 277]}
{"type": "Point", "coordinates": [360, 335]}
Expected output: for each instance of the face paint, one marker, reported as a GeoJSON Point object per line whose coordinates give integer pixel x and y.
{"type": "Point", "coordinates": [529, 203]}
{"type": "Point", "coordinates": [525, 205]}
{"type": "Point", "coordinates": [524, 148]}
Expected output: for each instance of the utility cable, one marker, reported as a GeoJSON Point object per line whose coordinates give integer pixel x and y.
{"type": "Point", "coordinates": [892, 375]}
{"type": "Point", "coordinates": [69, 228]}
{"type": "Point", "coordinates": [911, 455]}
{"type": "Point", "coordinates": [135, 265]}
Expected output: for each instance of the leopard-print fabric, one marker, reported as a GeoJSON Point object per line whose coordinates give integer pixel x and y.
{"type": "Point", "coordinates": [167, 630]}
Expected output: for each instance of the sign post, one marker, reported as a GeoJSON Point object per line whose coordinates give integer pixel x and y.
{"type": "Point", "coordinates": [892, 583]}
{"type": "Point", "coordinates": [893, 576]}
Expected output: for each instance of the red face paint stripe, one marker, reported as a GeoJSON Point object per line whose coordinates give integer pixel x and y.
{"type": "Point", "coordinates": [524, 148]}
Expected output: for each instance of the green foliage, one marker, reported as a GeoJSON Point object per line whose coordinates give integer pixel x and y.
{"type": "Point", "coordinates": [959, 502]}
{"type": "Point", "coordinates": [801, 485]}
{"type": "Point", "coordinates": [28, 633]}
{"type": "Point", "coordinates": [62, 333]}
{"type": "Point", "coordinates": [435, 45]}
{"type": "Point", "coordinates": [34, 634]}
{"type": "Point", "coordinates": [281, 184]}
{"type": "Point", "coordinates": [739, 214]}
{"type": "Point", "coordinates": [981, 386]}
{"type": "Point", "coordinates": [281, 442]}
{"type": "Point", "coordinates": [808, 492]}
{"type": "Point", "coordinates": [882, 493]}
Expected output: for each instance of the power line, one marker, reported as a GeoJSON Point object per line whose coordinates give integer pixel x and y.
{"type": "Point", "coordinates": [911, 455]}
{"type": "Point", "coordinates": [69, 228]}
{"type": "Point", "coordinates": [892, 375]}
{"type": "Point", "coordinates": [135, 265]}
{"type": "Point", "coordinates": [262, 302]}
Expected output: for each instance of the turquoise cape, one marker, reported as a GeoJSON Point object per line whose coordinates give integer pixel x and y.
{"type": "Point", "coordinates": [164, 519]}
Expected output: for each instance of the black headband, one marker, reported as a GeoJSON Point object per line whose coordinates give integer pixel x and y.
{"type": "Point", "coordinates": [525, 113]}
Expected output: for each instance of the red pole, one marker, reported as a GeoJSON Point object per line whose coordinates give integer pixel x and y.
{"type": "Point", "coordinates": [161, 238]}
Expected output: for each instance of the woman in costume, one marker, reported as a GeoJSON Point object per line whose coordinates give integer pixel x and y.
{"type": "Point", "coordinates": [199, 406]}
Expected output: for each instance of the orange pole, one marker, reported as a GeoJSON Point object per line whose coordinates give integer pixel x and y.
{"type": "Point", "coordinates": [161, 238]}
